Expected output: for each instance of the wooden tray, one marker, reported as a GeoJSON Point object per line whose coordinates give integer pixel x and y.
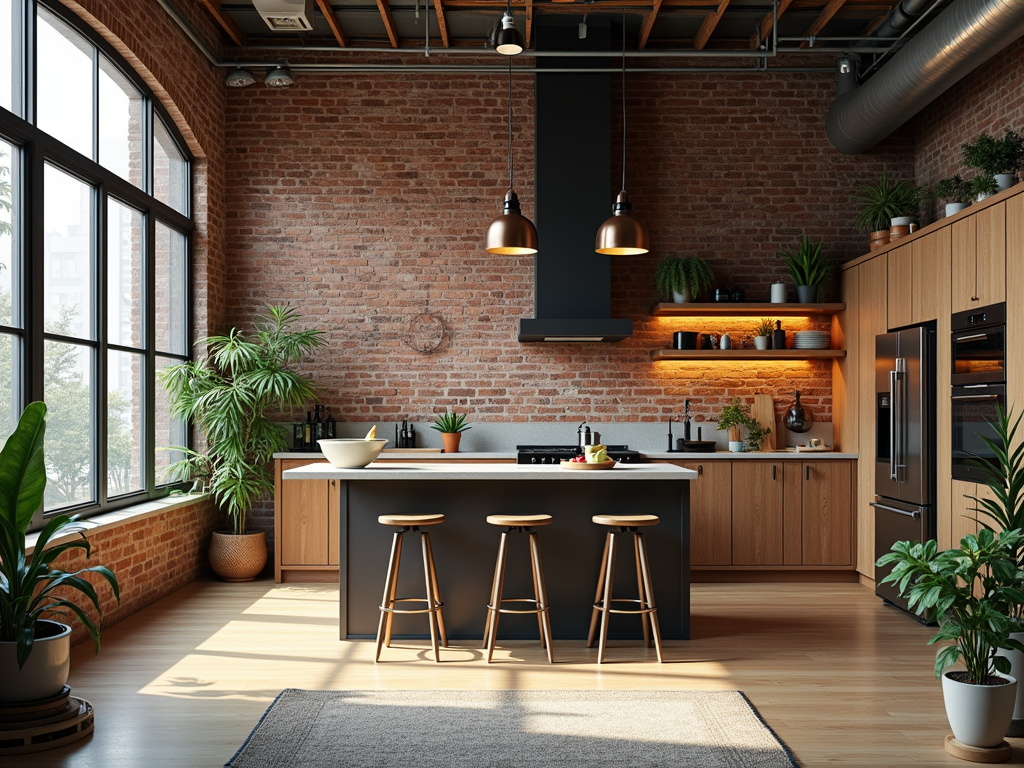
{"type": "Point", "coordinates": [610, 464]}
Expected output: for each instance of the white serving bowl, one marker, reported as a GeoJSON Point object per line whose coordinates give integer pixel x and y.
{"type": "Point", "coordinates": [349, 452]}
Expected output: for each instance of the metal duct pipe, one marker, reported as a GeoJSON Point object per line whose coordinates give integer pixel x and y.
{"type": "Point", "coordinates": [902, 16]}
{"type": "Point", "coordinates": [958, 41]}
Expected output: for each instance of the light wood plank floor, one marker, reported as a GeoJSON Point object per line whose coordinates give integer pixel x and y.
{"type": "Point", "coordinates": [841, 678]}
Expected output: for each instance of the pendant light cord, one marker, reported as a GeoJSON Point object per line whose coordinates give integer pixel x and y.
{"type": "Point", "coordinates": [510, 123]}
{"type": "Point", "coordinates": [623, 98]}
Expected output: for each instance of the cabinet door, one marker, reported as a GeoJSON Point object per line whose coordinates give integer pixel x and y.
{"type": "Point", "coordinates": [965, 513]}
{"type": "Point", "coordinates": [757, 512]}
{"type": "Point", "coordinates": [333, 518]}
{"type": "Point", "coordinates": [964, 264]}
{"type": "Point", "coordinates": [826, 499]}
{"type": "Point", "coordinates": [710, 513]}
{"type": "Point", "coordinates": [931, 260]}
{"type": "Point", "coordinates": [303, 534]}
{"type": "Point", "coordinates": [991, 255]}
{"type": "Point", "coordinates": [1015, 309]}
{"type": "Point", "coordinates": [901, 286]}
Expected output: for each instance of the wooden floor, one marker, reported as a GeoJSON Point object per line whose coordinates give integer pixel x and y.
{"type": "Point", "coordinates": [838, 676]}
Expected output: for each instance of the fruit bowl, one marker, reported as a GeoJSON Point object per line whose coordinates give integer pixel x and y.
{"type": "Point", "coordinates": [351, 453]}
{"type": "Point", "coordinates": [585, 465]}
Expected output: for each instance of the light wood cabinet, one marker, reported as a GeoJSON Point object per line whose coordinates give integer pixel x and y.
{"type": "Point", "coordinates": [757, 503]}
{"type": "Point", "coordinates": [306, 525]}
{"type": "Point", "coordinates": [900, 286]}
{"type": "Point", "coordinates": [979, 259]}
{"type": "Point", "coordinates": [826, 512]}
{"type": "Point", "coordinates": [1015, 309]}
{"type": "Point", "coordinates": [710, 512]}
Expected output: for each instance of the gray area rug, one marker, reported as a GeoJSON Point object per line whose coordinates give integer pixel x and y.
{"type": "Point", "coordinates": [511, 729]}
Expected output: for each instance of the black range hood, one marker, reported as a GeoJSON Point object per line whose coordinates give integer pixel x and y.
{"type": "Point", "coordinates": [572, 284]}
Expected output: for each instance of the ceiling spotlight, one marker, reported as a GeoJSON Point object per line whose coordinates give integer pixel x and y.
{"type": "Point", "coordinates": [239, 78]}
{"type": "Point", "coordinates": [509, 42]}
{"type": "Point", "coordinates": [583, 28]}
{"type": "Point", "coordinates": [278, 77]}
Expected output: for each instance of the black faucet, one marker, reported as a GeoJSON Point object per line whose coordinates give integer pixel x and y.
{"type": "Point", "coordinates": [671, 442]}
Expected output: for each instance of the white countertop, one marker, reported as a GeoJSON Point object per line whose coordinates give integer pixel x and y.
{"type": "Point", "coordinates": [674, 456]}
{"type": "Point", "coordinates": [385, 471]}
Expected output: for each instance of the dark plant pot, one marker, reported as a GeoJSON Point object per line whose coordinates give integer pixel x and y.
{"type": "Point", "coordinates": [806, 294]}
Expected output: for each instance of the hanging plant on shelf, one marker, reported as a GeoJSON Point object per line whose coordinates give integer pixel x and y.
{"type": "Point", "coordinates": [684, 278]}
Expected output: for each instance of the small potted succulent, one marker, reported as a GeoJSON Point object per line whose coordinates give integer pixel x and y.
{"type": "Point", "coordinates": [736, 417]}
{"type": "Point", "coordinates": [807, 268]}
{"type": "Point", "coordinates": [956, 191]}
{"type": "Point", "coordinates": [998, 159]}
{"type": "Point", "coordinates": [763, 332]}
{"type": "Point", "coordinates": [451, 426]}
{"type": "Point", "coordinates": [685, 279]}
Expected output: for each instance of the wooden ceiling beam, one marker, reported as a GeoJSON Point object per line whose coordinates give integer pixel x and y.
{"type": "Point", "coordinates": [389, 22]}
{"type": "Point", "coordinates": [824, 18]}
{"type": "Point", "coordinates": [529, 23]}
{"type": "Point", "coordinates": [332, 22]}
{"type": "Point", "coordinates": [645, 30]}
{"type": "Point", "coordinates": [766, 24]}
{"type": "Point", "coordinates": [708, 26]}
{"type": "Point", "coordinates": [226, 22]}
{"type": "Point", "coordinates": [441, 24]}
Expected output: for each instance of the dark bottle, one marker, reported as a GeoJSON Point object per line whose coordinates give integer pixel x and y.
{"type": "Point", "coordinates": [332, 426]}
{"type": "Point", "coordinates": [298, 435]}
{"type": "Point", "coordinates": [778, 336]}
{"type": "Point", "coordinates": [318, 423]}
{"type": "Point", "coordinates": [798, 418]}
{"type": "Point", "coordinates": [410, 438]}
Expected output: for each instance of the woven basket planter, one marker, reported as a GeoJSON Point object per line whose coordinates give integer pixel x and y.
{"type": "Point", "coordinates": [238, 557]}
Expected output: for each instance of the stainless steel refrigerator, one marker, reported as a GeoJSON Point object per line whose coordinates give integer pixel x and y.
{"type": "Point", "coordinates": [904, 444]}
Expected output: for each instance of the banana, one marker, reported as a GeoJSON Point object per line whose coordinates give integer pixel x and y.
{"type": "Point", "coordinates": [372, 434]}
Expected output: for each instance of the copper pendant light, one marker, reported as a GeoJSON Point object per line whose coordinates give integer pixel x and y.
{"type": "Point", "coordinates": [621, 234]}
{"type": "Point", "coordinates": [511, 234]}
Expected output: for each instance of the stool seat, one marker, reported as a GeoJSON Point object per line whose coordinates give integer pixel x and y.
{"type": "Point", "coordinates": [519, 521]}
{"type": "Point", "coordinates": [404, 520]}
{"type": "Point", "coordinates": [626, 521]}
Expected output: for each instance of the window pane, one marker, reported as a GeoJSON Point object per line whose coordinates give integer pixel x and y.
{"type": "Point", "coordinates": [70, 427]}
{"type": "Point", "coordinates": [120, 113]}
{"type": "Point", "coordinates": [10, 383]}
{"type": "Point", "coordinates": [69, 264]}
{"type": "Point", "coordinates": [124, 423]}
{"type": "Point", "coordinates": [10, 55]}
{"type": "Point", "coordinates": [124, 275]}
{"type": "Point", "coordinates": [10, 267]}
{"type": "Point", "coordinates": [171, 331]}
{"type": "Point", "coordinates": [169, 431]}
{"type": "Point", "coordinates": [63, 83]}
{"type": "Point", "coordinates": [170, 171]}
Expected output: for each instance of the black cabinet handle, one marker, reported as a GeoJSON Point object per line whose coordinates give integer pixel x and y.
{"type": "Point", "coordinates": [773, 473]}
{"type": "Point", "coordinates": [808, 468]}
{"type": "Point", "coordinates": [700, 470]}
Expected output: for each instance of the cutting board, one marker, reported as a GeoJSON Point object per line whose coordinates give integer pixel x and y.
{"type": "Point", "coordinates": [763, 410]}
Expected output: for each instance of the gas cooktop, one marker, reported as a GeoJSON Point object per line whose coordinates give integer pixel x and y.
{"type": "Point", "coordinates": [552, 454]}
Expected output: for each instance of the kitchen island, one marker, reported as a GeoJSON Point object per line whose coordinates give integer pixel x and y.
{"type": "Point", "coordinates": [465, 545]}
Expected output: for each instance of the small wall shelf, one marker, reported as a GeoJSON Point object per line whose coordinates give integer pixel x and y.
{"type": "Point", "coordinates": [661, 355]}
{"type": "Point", "coordinates": [748, 308]}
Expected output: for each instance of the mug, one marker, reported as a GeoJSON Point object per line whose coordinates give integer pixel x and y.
{"type": "Point", "coordinates": [814, 442]}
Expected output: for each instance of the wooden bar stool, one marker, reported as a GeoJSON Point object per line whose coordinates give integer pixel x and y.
{"type": "Point", "coordinates": [523, 524]}
{"type": "Point", "coordinates": [411, 523]}
{"type": "Point", "coordinates": [603, 597]}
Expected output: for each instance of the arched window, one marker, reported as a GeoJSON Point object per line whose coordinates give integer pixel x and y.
{"type": "Point", "coordinates": [95, 221]}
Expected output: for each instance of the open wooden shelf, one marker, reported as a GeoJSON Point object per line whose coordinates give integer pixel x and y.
{"type": "Point", "coordinates": [744, 308]}
{"type": "Point", "coordinates": [659, 355]}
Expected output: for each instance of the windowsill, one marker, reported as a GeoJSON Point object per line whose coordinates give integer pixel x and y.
{"type": "Point", "coordinates": [121, 517]}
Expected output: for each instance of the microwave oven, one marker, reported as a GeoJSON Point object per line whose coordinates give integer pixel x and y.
{"type": "Point", "coordinates": [979, 346]}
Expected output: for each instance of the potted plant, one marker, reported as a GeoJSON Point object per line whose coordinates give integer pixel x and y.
{"type": "Point", "coordinates": [33, 586]}
{"type": "Point", "coordinates": [763, 332]}
{"type": "Point", "coordinates": [1004, 477]}
{"type": "Point", "coordinates": [451, 426]}
{"type": "Point", "coordinates": [685, 279]}
{"type": "Point", "coordinates": [972, 591]}
{"type": "Point", "coordinates": [956, 192]}
{"type": "Point", "coordinates": [227, 395]}
{"type": "Point", "coordinates": [734, 418]}
{"type": "Point", "coordinates": [906, 208]}
{"type": "Point", "coordinates": [982, 187]}
{"type": "Point", "coordinates": [998, 159]}
{"type": "Point", "coordinates": [880, 203]}
{"type": "Point", "coordinates": [807, 268]}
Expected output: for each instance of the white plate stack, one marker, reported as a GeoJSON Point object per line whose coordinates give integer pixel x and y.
{"type": "Point", "coordinates": [812, 340]}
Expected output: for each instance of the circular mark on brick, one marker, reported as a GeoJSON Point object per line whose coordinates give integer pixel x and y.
{"type": "Point", "coordinates": [424, 333]}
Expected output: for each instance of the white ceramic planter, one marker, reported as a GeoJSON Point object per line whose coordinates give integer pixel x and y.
{"type": "Point", "coordinates": [902, 221]}
{"type": "Point", "coordinates": [760, 342]}
{"type": "Point", "coordinates": [779, 293]}
{"type": "Point", "coordinates": [737, 446]}
{"type": "Point", "coordinates": [979, 714]}
{"type": "Point", "coordinates": [1016, 672]}
{"type": "Point", "coordinates": [682, 298]}
{"type": "Point", "coordinates": [952, 208]}
{"type": "Point", "coordinates": [1005, 180]}
{"type": "Point", "coordinates": [46, 670]}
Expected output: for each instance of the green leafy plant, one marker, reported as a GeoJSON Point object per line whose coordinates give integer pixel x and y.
{"type": "Point", "coordinates": [734, 417]}
{"type": "Point", "coordinates": [33, 586]}
{"type": "Point", "coordinates": [227, 395]}
{"type": "Point", "coordinates": [450, 423]}
{"type": "Point", "coordinates": [806, 265]}
{"type": "Point", "coordinates": [983, 186]}
{"type": "Point", "coordinates": [953, 189]}
{"type": "Point", "coordinates": [885, 200]}
{"type": "Point", "coordinates": [680, 275]}
{"type": "Point", "coordinates": [991, 155]}
{"type": "Point", "coordinates": [972, 591]}
{"type": "Point", "coordinates": [764, 327]}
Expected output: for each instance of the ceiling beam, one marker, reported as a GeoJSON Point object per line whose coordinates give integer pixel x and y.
{"type": "Point", "coordinates": [441, 24]}
{"type": "Point", "coordinates": [226, 22]}
{"type": "Point", "coordinates": [824, 18]}
{"type": "Point", "coordinates": [708, 26]}
{"type": "Point", "coordinates": [766, 24]}
{"type": "Point", "coordinates": [529, 23]}
{"type": "Point", "coordinates": [645, 30]}
{"type": "Point", "coordinates": [332, 21]}
{"type": "Point", "coordinates": [389, 22]}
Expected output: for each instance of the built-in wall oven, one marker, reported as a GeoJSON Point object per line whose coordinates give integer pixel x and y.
{"type": "Point", "coordinates": [979, 385]}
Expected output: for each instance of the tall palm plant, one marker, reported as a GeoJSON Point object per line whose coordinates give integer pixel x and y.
{"type": "Point", "coordinates": [227, 395]}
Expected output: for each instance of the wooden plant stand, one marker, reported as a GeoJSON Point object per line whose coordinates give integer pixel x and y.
{"type": "Point", "coordinates": [45, 724]}
{"type": "Point", "coordinates": [999, 754]}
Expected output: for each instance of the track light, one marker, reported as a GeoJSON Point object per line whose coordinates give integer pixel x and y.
{"type": "Point", "coordinates": [278, 77]}
{"type": "Point", "coordinates": [509, 42]}
{"type": "Point", "coordinates": [239, 78]}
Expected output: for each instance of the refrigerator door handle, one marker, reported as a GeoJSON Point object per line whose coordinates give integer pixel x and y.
{"type": "Point", "coordinates": [892, 425]}
{"type": "Point", "coordinates": [915, 514]}
{"type": "Point", "coordinates": [899, 408]}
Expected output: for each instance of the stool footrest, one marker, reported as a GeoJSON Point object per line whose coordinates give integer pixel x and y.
{"type": "Point", "coordinates": [387, 609]}
{"type": "Point", "coordinates": [538, 609]}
